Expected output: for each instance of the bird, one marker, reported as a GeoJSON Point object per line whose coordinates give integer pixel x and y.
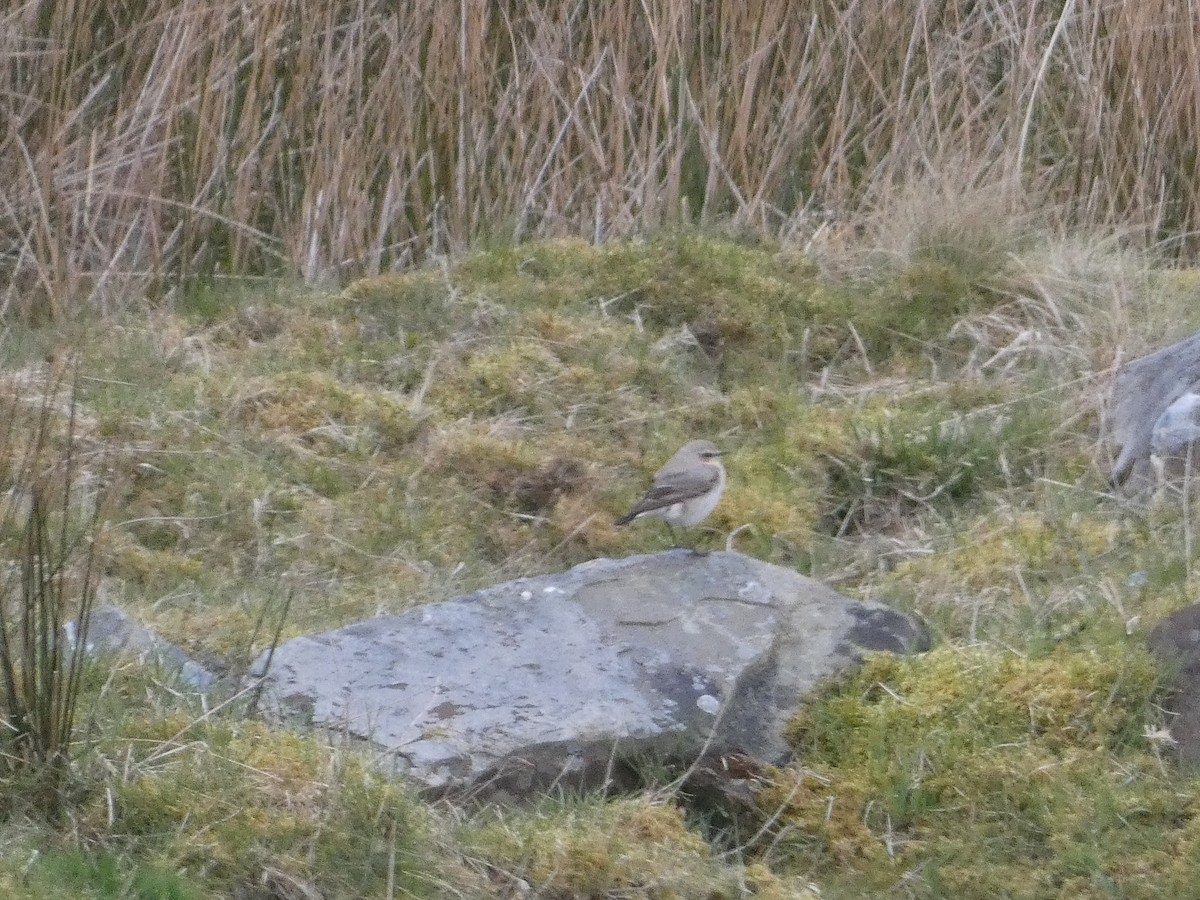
{"type": "Point", "coordinates": [686, 490]}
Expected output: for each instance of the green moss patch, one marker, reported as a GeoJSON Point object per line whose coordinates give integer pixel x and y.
{"type": "Point", "coordinates": [631, 848]}
{"type": "Point", "coordinates": [921, 765]}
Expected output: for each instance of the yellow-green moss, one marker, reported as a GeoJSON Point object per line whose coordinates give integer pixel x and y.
{"type": "Point", "coordinates": [630, 848]}
{"type": "Point", "coordinates": [303, 404]}
{"type": "Point", "coordinates": [1028, 543]}
{"type": "Point", "coordinates": [149, 568]}
{"type": "Point", "coordinates": [923, 762]}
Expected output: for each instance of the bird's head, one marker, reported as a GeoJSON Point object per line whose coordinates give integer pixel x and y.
{"type": "Point", "coordinates": [706, 450]}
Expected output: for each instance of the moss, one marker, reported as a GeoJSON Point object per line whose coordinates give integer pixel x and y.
{"type": "Point", "coordinates": [1028, 545]}
{"type": "Point", "coordinates": [908, 309]}
{"type": "Point", "coordinates": [937, 756]}
{"type": "Point", "coordinates": [556, 371]}
{"type": "Point", "coordinates": [504, 379]}
{"type": "Point", "coordinates": [150, 568]}
{"type": "Point", "coordinates": [893, 456]}
{"type": "Point", "coordinates": [320, 410]}
{"type": "Point", "coordinates": [629, 848]}
{"type": "Point", "coordinates": [70, 873]}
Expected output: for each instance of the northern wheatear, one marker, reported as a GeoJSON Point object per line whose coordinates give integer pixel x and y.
{"type": "Point", "coordinates": [685, 490]}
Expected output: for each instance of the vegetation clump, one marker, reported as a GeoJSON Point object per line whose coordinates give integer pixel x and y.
{"type": "Point", "coordinates": [913, 766]}
{"type": "Point", "coordinates": [621, 848]}
{"type": "Point", "coordinates": [417, 436]}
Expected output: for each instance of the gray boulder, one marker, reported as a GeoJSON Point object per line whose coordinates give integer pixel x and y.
{"type": "Point", "coordinates": [562, 679]}
{"type": "Point", "coordinates": [1177, 429]}
{"type": "Point", "coordinates": [1143, 391]}
{"type": "Point", "coordinates": [1175, 643]}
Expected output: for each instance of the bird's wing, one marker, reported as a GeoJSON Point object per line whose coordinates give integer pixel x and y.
{"type": "Point", "coordinates": [673, 486]}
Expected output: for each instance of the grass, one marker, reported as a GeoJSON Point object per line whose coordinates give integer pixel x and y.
{"type": "Point", "coordinates": [919, 427]}
{"type": "Point", "coordinates": [50, 524]}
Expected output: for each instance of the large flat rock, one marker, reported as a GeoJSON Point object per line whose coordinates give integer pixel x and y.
{"type": "Point", "coordinates": [563, 677]}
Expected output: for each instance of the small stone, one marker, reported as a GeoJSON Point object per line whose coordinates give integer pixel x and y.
{"type": "Point", "coordinates": [1137, 580]}
{"type": "Point", "coordinates": [112, 631]}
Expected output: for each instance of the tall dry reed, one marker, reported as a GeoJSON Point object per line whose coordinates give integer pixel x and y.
{"type": "Point", "coordinates": [166, 137]}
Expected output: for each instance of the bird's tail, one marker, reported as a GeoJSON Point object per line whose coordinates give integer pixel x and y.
{"type": "Point", "coordinates": [626, 519]}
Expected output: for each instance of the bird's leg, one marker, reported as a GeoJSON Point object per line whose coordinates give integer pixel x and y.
{"type": "Point", "coordinates": [674, 537]}
{"type": "Point", "coordinates": [690, 545]}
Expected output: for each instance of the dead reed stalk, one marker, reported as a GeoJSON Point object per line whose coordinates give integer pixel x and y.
{"type": "Point", "coordinates": [161, 138]}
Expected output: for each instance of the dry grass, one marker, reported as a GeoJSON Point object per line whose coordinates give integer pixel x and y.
{"type": "Point", "coordinates": [322, 138]}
